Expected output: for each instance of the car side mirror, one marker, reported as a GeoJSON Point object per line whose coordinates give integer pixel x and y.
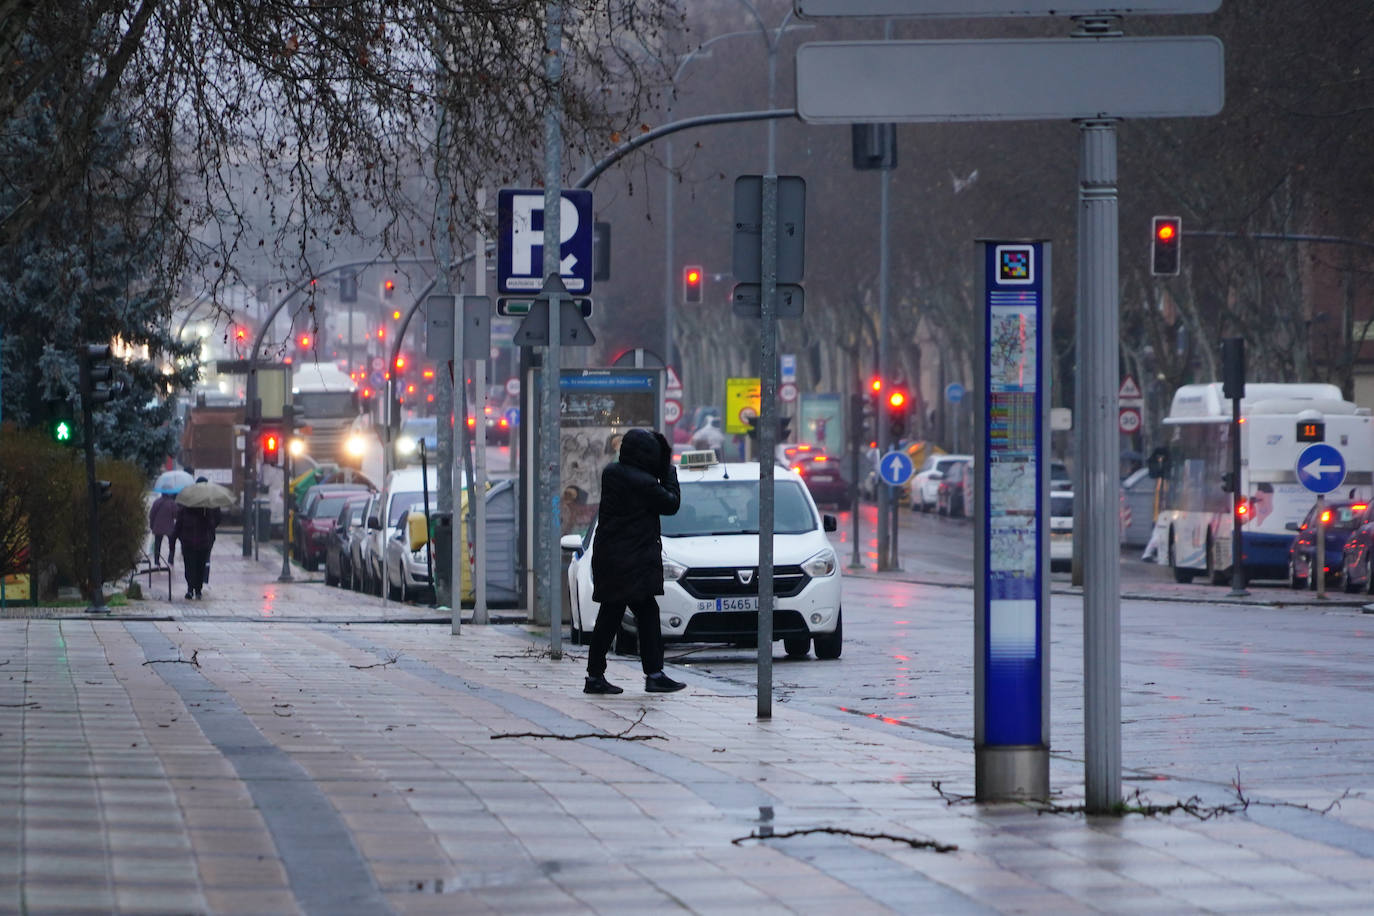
{"type": "Point", "coordinates": [830, 523]}
{"type": "Point", "coordinates": [374, 523]}
{"type": "Point", "coordinates": [1293, 526]}
{"type": "Point", "coordinates": [570, 542]}
{"type": "Point", "coordinates": [937, 475]}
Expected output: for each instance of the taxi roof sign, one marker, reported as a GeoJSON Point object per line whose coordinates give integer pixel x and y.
{"type": "Point", "coordinates": [698, 459]}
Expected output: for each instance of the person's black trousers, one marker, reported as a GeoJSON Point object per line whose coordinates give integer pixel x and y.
{"type": "Point", "coordinates": [194, 560]}
{"type": "Point", "coordinates": [608, 624]}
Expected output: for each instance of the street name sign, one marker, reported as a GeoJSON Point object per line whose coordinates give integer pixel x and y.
{"type": "Point", "coordinates": [520, 240]}
{"type": "Point", "coordinates": [845, 82]}
{"type": "Point", "coordinates": [519, 306]}
{"type": "Point", "coordinates": [973, 9]}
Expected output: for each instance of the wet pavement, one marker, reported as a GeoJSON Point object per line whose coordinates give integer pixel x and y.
{"type": "Point", "coordinates": [293, 748]}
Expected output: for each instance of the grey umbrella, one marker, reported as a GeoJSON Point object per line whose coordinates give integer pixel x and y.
{"type": "Point", "coordinates": [205, 495]}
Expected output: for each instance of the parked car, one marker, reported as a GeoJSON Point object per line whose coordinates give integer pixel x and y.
{"type": "Point", "coordinates": [925, 484]}
{"type": "Point", "coordinates": [498, 427]}
{"type": "Point", "coordinates": [319, 509]}
{"type": "Point", "coordinates": [955, 488]}
{"type": "Point", "coordinates": [1342, 519]}
{"type": "Point", "coordinates": [1357, 559]}
{"type": "Point", "coordinates": [403, 489]}
{"type": "Point", "coordinates": [408, 571]}
{"type": "Point", "coordinates": [362, 565]}
{"type": "Point", "coordinates": [1061, 529]}
{"type": "Point", "coordinates": [336, 559]}
{"type": "Point", "coordinates": [710, 564]}
{"type": "Point", "coordinates": [824, 477]}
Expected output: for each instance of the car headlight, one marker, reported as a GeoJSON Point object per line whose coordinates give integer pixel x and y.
{"type": "Point", "coordinates": [355, 446]}
{"type": "Point", "coordinates": [406, 445]}
{"type": "Point", "coordinates": [672, 570]}
{"type": "Point", "coordinates": [822, 564]}
{"type": "Point", "coordinates": [418, 555]}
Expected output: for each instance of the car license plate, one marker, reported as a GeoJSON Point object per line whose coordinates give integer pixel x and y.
{"type": "Point", "coordinates": [748, 603]}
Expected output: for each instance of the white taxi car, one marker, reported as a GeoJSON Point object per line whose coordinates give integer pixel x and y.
{"type": "Point", "coordinates": [710, 564]}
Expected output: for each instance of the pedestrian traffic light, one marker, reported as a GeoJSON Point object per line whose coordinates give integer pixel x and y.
{"type": "Point", "coordinates": [691, 284]}
{"type": "Point", "coordinates": [96, 375]}
{"type": "Point", "coordinates": [1164, 246]}
{"type": "Point", "coordinates": [271, 446]}
{"type": "Point", "coordinates": [63, 430]}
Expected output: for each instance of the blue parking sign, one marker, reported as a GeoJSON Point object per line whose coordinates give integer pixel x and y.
{"type": "Point", "coordinates": [520, 240]}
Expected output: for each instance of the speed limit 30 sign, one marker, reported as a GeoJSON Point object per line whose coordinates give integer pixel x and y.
{"type": "Point", "coordinates": [1129, 419]}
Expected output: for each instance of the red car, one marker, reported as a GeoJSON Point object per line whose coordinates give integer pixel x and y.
{"type": "Point", "coordinates": [823, 477]}
{"type": "Point", "coordinates": [315, 521]}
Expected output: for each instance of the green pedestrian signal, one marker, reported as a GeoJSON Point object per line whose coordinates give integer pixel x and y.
{"type": "Point", "coordinates": [62, 431]}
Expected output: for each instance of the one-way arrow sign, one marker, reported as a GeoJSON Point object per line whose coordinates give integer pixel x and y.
{"type": "Point", "coordinates": [1321, 468]}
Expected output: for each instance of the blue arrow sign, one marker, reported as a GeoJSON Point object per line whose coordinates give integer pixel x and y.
{"type": "Point", "coordinates": [1321, 468]}
{"type": "Point", "coordinates": [896, 468]}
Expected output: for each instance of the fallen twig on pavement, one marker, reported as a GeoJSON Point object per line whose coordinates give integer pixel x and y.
{"type": "Point", "coordinates": [193, 660]}
{"type": "Point", "coordinates": [841, 831]}
{"type": "Point", "coordinates": [536, 651]}
{"type": "Point", "coordinates": [19, 705]}
{"type": "Point", "coordinates": [622, 735]}
{"type": "Point", "coordinates": [390, 661]}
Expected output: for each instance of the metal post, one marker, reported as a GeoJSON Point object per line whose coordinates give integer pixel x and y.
{"type": "Point", "coordinates": [549, 558]}
{"type": "Point", "coordinates": [856, 438]}
{"type": "Point", "coordinates": [768, 424]}
{"type": "Point", "coordinates": [1099, 460]}
{"type": "Point", "coordinates": [669, 298]}
{"type": "Point", "coordinates": [288, 426]}
{"type": "Point", "coordinates": [479, 579]}
{"type": "Point", "coordinates": [1319, 571]}
{"type": "Point", "coordinates": [880, 409]}
{"type": "Point", "coordinates": [429, 528]}
{"type": "Point", "coordinates": [1237, 571]}
{"type": "Point", "coordinates": [97, 605]}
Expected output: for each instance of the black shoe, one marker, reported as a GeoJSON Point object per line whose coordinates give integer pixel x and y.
{"type": "Point", "coordinates": [190, 594]}
{"type": "Point", "coordinates": [599, 684]}
{"type": "Point", "coordinates": [198, 594]}
{"type": "Point", "coordinates": [661, 683]}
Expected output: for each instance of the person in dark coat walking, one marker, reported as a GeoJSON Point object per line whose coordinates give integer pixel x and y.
{"type": "Point", "coordinates": [162, 518]}
{"type": "Point", "coordinates": [195, 529]}
{"type": "Point", "coordinates": [627, 556]}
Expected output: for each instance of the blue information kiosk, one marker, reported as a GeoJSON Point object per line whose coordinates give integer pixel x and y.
{"type": "Point", "coordinates": [1011, 544]}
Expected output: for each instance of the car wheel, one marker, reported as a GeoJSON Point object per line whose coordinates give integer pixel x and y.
{"type": "Point", "coordinates": [626, 643]}
{"type": "Point", "coordinates": [396, 592]}
{"type": "Point", "coordinates": [1214, 574]}
{"type": "Point", "coordinates": [1183, 576]}
{"type": "Point", "coordinates": [329, 577]}
{"type": "Point", "coordinates": [829, 645]}
{"type": "Point", "coordinates": [1295, 581]}
{"type": "Point", "coordinates": [1348, 586]}
{"type": "Point", "coordinates": [796, 646]}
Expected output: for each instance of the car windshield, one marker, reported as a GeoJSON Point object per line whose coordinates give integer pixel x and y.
{"type": "Point", "coordinates": [324, 403]}
{"type": "Point", "coordinates": [401, 503]}
{"type": "Point", "coordinates": [329, 507]}
{"type": "Point", "coordinates": [421, 428]}
{"type": "Point", "coordinates": [731, 507]}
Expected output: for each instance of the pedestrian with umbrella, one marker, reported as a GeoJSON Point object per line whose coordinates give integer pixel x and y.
{"type": "Point", "coordinates": [198, 514]}
{"type": "Point", "coordinates": [162, 516]}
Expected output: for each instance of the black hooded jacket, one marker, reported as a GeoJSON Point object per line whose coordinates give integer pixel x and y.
{"type": "Point", "coordinates": [627, 555]}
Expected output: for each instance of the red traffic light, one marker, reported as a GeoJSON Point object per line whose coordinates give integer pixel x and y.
{"type": "Point", "coordinates": [304, 341]}
{"type": "Point", "coordinates": [691, 284]}
{"type": "Point", "coordinates": [875, 385]}
{"type": "Point", "coordinates": [1165, 231]}
{"type": "Point", "coordinates": [271, 447]}
{"type": "Point", "coordinates": [1165, 240]}
{"type": "Point", "coordinates": [395, 314]}
{"type": "Point", "coordinates": [400, 363]}
{"type": "Point", "coordinates": [896, 399]}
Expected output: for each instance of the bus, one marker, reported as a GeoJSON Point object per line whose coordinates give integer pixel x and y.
{"type": "Point", "coordinates": [1196, 510]}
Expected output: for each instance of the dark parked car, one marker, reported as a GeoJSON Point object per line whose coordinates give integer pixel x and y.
{"type": "Point", "coordinates": [337, 569]}
{"type": "Point", "coordinates": [823, 477]}
{"type": "Point", "coordinates": [1357, 561]}
{"type": "Point", "coordinates": [360, 561]}
{"type": "Point", "coordinates": [1342, 518]}
{"type": "Point", "coordinates": [954, 487]}
{"type": "Point", "coordinates": [315, 519]}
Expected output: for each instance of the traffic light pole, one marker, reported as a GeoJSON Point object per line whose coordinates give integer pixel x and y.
{"type": "Point", "coordinates": [97, 605]}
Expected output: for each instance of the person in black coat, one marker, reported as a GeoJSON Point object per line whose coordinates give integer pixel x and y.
{"type": "Point", "coordinates": [627, 555]}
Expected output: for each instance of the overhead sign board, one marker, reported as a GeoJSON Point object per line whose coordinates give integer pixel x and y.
{"type": "Point", "coordinates": [843, 82]}
{"type": "Point", "coordinates": [520, 240]}
{"type": "Point", "coordinates": [971, 9]}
